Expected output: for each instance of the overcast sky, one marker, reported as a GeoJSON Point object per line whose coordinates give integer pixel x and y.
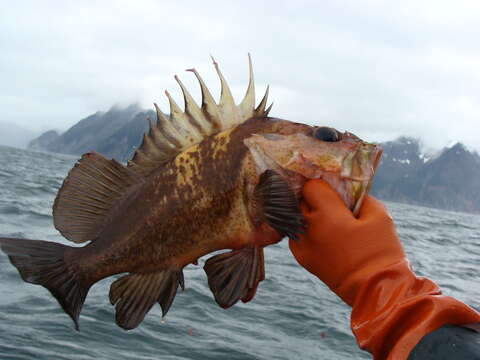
{"type": "Point", "coordinates": [376, 68]}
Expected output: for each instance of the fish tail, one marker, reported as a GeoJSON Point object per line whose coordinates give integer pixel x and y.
{"type": "Point", "coordinates": [42, 263]}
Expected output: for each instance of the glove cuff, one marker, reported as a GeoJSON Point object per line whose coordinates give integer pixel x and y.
{"type": "Point", "coordinates": [394, 309]}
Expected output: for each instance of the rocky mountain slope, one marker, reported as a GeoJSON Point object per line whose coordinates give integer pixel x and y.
{"type": "Point", "coordinates": [122, 143]}
{"type": "Point", "coordinates": [42, 142]}
{"type": "Point", "coordinates": [90, 133]}
{"type": "Point", "coordinates": [449, 180]}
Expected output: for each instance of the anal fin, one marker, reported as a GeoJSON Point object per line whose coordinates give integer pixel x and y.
{"type": "Point", "coordinates": [235, 275]}
{"type": "Point", "coordinates": [135, 294]}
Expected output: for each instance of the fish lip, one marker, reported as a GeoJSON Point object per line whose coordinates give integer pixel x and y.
{"type": "Point", "coordinates": [366, 188]}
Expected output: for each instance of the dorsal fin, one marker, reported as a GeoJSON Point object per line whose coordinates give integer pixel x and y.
{"type": "Point", "coordinates": [89, 191]}
{"type": "Point", "coordinates": [170, 135]}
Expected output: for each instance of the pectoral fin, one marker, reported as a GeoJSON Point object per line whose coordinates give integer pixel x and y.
{"type": "Point", "coordinates": [277, 205]}
{"type": "Point", "coordinates": [235, 275]}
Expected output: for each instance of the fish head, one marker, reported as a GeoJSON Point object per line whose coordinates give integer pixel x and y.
{"type": "Point", "coordinates": [305, 152]}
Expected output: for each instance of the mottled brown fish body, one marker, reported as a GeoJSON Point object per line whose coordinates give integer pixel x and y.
{"type": "Point", "coordinates": [196, 204]}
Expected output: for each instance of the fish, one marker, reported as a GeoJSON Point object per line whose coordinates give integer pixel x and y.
{"type": "Point", "coordinates": [215, 178]}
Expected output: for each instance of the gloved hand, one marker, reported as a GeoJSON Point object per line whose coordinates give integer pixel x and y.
{"type": "Point", "coordinates": [362, 261]}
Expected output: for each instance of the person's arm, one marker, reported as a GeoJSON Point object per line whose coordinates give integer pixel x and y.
{"type": "Point", "coordinates": [447, 343]}
{"type": "Point", "coordinates": [363, 262]}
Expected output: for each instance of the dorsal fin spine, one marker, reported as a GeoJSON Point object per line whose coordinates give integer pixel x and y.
{"type": "Point", "coordinates": [248, 102]}
{"type": "Point", "coordinates": [165, 126]}
{"type": "Point", "coordinates": [195, 115]}
{"type": "Point", "coordinates": [226, 104]}
{"type": "Point", "coordinates": [180, 121]}
{"type": "Point", "coordinates": [226, 98]}
{"type": "Point", "coordinates": [150, 146]}
{"type": "Point", "coordinates": [174, 108]}
{"type": "Point", "coordinates": [209, 107]}
{"type": "Point", "coordinates": [160, 141]}
{"type": "Point", "coordinates": [261, 107]}
{"type": "Point", "coordinates": [157, 137]}
{"type": "Point", "coordinates": [141, 156]}
{"type": "Point", "coordinates": [182, 129]}
{"type": "Point", "coordinates": [268, 109]}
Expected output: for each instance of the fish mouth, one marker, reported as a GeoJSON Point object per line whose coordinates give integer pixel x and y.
{"type": "Point", "coordinates": [356, 179]}
{"type": "Point", "coordinates": [352, 182]}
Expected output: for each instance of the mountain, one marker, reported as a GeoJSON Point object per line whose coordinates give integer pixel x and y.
{"type": "Point", "coordinates": [447, 181]}
{"type": "Point", "coordinates": [14, 135]}
{"type": "Point", "coordinates": [401, 159]}
{"type": "Point", "coordinates": [95, 132]}
{"type": "Point", "coordinates": [405, 174]}
{"type": "Point", "coordinates": [122, 143]}
{"type": "Point", "coordinates": [42, 142]}
{"type": "Point", "coordinates": [450, 181]}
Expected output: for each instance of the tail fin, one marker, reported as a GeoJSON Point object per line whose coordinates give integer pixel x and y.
{"type": "Point", "coordinates": [42, 263]}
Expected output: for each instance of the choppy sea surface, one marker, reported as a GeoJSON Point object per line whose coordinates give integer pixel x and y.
{"type": "Point", "coordinates": [293, 316]}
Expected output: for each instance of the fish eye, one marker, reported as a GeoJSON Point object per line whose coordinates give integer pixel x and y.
{"type": "Point", "coordinates": [326, 134]}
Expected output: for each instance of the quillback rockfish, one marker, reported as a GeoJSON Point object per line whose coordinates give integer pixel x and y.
{"type": "Point", "coordinates": [211, 177]}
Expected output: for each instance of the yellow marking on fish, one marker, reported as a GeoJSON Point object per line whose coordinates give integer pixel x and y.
{"type": "Point", "coordinates": [187, 163]}
{"type": "Point", "coordinates": [221, 143]}
{"type": "Point", "coordinates": [187, 166]}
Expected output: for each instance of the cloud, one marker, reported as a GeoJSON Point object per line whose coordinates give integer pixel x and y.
{"type": "Point", "coordinates": [376, 68]}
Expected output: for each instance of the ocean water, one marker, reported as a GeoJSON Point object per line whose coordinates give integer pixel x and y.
{"type": "Point", "coordinates": [293, 316]}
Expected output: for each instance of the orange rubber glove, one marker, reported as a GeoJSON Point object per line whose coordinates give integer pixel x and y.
{"type": "Point", "coordinates": [363, 262]}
